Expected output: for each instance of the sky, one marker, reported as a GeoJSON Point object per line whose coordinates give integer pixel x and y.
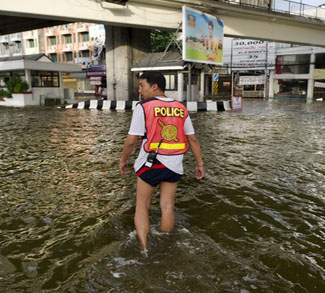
{"type": "Point", "coordinates": [283, 5]}
{"type": "Point", "coordinates": [310, 2]}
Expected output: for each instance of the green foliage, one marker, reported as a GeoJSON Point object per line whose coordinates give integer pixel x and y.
{"type": "Point", "coordinates": [14, 85]}
{"type": "Point", "coordinates": [4, 93]}
{"type": "Point", "coordinates": [160, 40]}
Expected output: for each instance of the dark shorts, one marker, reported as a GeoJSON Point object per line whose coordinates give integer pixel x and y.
{"type": "Point", "coordinates": [157, 173]}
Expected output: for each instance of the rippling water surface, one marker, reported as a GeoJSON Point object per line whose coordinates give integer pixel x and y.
{"type": "Point", "coordinates": [256, 223]}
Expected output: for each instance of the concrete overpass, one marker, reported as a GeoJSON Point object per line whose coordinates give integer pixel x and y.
{"type": "Point", "coordinates": [127, 26]}
{"type": "Point", "coordinates": [240, 21]}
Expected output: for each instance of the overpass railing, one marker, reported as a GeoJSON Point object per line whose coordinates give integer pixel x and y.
{"type": "Point", "coordinates": [283, 6]}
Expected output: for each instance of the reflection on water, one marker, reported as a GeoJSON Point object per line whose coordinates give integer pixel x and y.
{"type": "Point", "coordinates": [254, 224]}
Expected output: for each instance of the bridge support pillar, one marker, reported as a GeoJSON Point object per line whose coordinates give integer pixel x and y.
{"type": "Point", "coordinates": [310, 86]}
{"type": "Point", "coordinates": [271, 85]}
{"type": "Point", "coordinates": [180, 82]}
{"type": "Point", "coordinates": [124, 47]}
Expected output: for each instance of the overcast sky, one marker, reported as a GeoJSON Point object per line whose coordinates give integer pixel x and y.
{"type": "Point", "coordinates": [294, 5]}
{"type": "Point", "coordinates": [310, 2]}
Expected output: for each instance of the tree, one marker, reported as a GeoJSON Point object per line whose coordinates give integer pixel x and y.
{"type": "Point", "coordinates": [160, 40]}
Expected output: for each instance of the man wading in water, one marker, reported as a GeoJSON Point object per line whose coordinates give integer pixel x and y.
{"type": "Point", "coordinates": [166, 130]}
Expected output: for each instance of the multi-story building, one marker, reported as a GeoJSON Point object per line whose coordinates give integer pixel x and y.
{"type": "Point", "coordinates": [78, 43]}
{"type": "Point", "coordinates": [19, 44]}
{"type": "Point", "coordinates": [72, 43]}
{"type": "Point", "coordinates": [11, 45]}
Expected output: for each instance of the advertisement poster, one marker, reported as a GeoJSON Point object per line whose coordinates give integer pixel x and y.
{"type": "Point", "coordinates": [253, 55]}
{"type": "Point", "coordinates": [319, 73]}
{"type": "Point", "coordinates": [236, 103]}
{"type": "Point", "coordinates": [202, 37]}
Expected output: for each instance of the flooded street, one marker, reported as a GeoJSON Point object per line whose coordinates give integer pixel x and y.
{"type": "Point", "coordinates": [255, 223]}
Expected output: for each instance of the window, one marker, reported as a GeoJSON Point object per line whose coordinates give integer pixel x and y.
{"type": "Point", "coordinates": [260, 87]}
{"type": "Point", "coordinates": [171, 82]}
{"type": "Point", "coordinates": [45, 79]}
{"type": "Point", "coordinates": [52, 41]}
{"type": "Point", "coordinates": [30, 43]}
{"type": "Point", "coordinates": [68, 56]}
{"type": "Point", "coordinates": [249, 87]}
{"type": "Point", "coordinates": [84, 37]}
{"type": "Point", "coordinates": [54, 57]}
{"type": "Point", "coordinates": [85, 53]}
{"type": "Point", "coordinates": [68, 39]}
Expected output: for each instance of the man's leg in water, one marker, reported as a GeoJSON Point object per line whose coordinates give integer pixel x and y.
{"type": "Point", "coordinates": [167, 198]}
{"type": "Point", "coordinates": [141, 218]}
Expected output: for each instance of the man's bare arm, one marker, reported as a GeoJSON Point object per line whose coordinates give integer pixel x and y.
{"type": "Point", "coordinates": [128, 148]}
{"type": "Point", "coordinates": [196, 149]}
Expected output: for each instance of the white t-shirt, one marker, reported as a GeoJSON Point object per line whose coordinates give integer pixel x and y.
{"type": "Point", "coordinates": [138, 127]}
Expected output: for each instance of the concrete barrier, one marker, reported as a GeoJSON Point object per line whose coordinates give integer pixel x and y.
{"type": "Point", "coordinates": [130, 105]}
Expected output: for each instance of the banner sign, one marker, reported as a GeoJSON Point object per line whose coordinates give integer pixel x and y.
{"type": "Point", "coordinates": [202, 37]}
{"type": "Point", "coordinates": [236, 103]}
{"type": "Point", "coordinates": [251, 80]}
{"type": "Point", "coordinates": [320, 84]}
{"type": "Point", "coordinates": [253, 55]}
{"type": "Point", "coordinates": [319, 73]}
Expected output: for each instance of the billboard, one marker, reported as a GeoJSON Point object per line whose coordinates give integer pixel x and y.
{"type": "Point", "coordinates": [202, 37]}
{"type": "Point", "coordinates": [253, 54]}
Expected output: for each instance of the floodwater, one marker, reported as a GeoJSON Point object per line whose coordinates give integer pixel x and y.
{"type": "Point", "coordinates": [256, 223]}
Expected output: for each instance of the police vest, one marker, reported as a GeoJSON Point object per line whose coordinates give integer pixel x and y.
{"type": "Point", "coordinates": [164, 121]}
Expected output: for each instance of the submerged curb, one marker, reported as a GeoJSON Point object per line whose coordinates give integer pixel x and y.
{"type": "Point", "coordinates": [130, 105]}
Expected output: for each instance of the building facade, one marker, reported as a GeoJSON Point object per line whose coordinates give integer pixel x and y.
{"type": "Point", "coordinates": [75, 43]}
{"type": "Point", "coordinates": [24, 43]}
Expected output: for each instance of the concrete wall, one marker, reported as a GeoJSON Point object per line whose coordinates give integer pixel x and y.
{"type": "Point", "coordinates": [46, 92]}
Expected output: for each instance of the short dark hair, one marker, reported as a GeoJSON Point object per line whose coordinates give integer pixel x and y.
{"type": "Point", "coordinates": [154, 77]}
{"type": "Point", "coordinates": [210, 23]}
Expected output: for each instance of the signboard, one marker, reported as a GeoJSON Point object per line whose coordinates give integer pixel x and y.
{"type": "Point", "coordinates": [253, 55]}
{"type": "Point", "coordinates": [319, 73]}
{"type": "Point", "coordinates": [236, 103]}
{"type": "Point", "coordinates": [251, 80]}
{"type": "Point", "coordinates": [320, 84]}
{"type": "Point", "coordinates": [96, 70]}
{"type": "Point", "coordinates": [97, 36]}
{"type": "Point", "coordinates": [215, 77]}
{"type": "Point", "coordinates": [202, 37]}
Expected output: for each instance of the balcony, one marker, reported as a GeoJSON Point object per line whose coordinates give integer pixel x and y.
{"type": "Point", "coordinates": [51, 31]}
{"type": "Point", "coordinates": [17, 52]}
{"type": "Point", "coordinates": [66, 29]}
{"type": "Point", "coordinates": [82, 27]}
{"type": "Point", "coordinates": [29, 35]}
{"type": "Point", "coordinates": [4, 50]}
{"type": "Point", "coordinates": [84, 46]}
{"type": "Point", "coordinates": [67, 47]}
{"type": "Point", "coordinates": [51, 49]}
{"type": "Point", "coordinates": [16, 37]}
{"type": "Point", "coordinates": [4, 39]}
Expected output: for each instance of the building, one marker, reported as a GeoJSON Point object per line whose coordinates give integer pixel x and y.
{"type": "Point", "coordinates": [74, 43]}
{"type": "Point", "coordinates": [19, 44]}
{"type": "Point", "coordinates": [77, 43]}
{"type": "Point", "coordinates": [44, 77]}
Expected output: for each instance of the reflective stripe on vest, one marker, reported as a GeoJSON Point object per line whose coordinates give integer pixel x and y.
{"type": "Point", "coordinates": [165, 121]}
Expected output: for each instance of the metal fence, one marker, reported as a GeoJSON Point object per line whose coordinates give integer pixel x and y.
{"type": "Point", "coordinates": [284, 6]}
